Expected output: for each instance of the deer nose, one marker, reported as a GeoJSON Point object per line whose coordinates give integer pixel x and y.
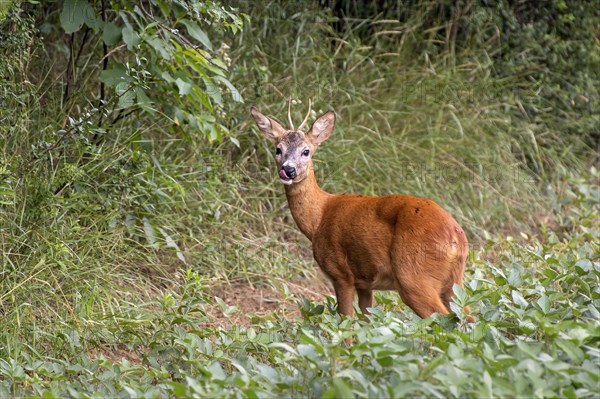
{"type": "Point", "coordinates": [290, 171]}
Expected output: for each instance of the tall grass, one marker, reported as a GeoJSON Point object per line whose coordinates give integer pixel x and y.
{"type": "Point", "coordinates": [415, 115]}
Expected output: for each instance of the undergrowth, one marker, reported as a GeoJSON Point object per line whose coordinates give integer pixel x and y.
{"type": "Point", "coordinates": [132, 183]}
{"type": "Point", "coordinates": [536, 301]}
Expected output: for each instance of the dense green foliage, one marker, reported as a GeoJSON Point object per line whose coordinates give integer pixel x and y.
{"type": "Point", "coordinates": [132, 183]}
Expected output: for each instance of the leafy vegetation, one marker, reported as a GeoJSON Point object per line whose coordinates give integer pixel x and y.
{"type": "Point", "coordinates": [135, 196]}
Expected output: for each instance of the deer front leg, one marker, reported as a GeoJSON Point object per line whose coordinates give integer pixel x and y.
{"type": "Point", "coordinates": [344, 292]}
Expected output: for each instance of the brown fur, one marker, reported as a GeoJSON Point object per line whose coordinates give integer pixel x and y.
{"type": "Point", "coordinates": [364, 243]}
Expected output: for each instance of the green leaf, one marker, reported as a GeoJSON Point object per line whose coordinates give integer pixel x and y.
{"type": "Point", "coordinates": [226, 309]}
{"type": "Point", "coordinates": [213, 91]}
{"type": "Point", "coordinates": [530, 349]}
{"type": "Point", "coordinates": [178, 389]}
{"type": "Point", "coordinates": [150, 233]}
{"type": "Point", "coordinates": [518, 299]}
{"type": "Point", "coordinates": [431, 366]}
{"type": "Point", "coordinates": [126, 95]}
{"type": "Point", "coordinates": [235, 94]}
{"type": "Point", "coordinates": [340, 389]}
{"type": "Point", "coordinates": [216, 371]}
{"type": "Point", "coordinates": [90, 18]}
{"type": "Point", "coordinates": [114, 75]}
{"type": "Point", "coordinates": [143, 100]}
{"type": "Point", "coordinates": [267, 371]}
{"type": "Point", "coordinates": [544, 304]}
{"type": "Point", "coordinates": [160, 46]}
{"type": "Point", "coordinates": [514, 278]}
{"type": "Point", "coordinates": [130, 37]}
{"type": "Point", "coordinates": [572, 350]}
{"type": "Point", "coordinates": [197, 33]}
{"type": "Point", "coordinates": [488, 385]}
{"type": "Point", "coordinates": [460, 294]}
{"type": "Point", "coordinates": [184, 87]}
{"type": "Point", "coordinates": [73, 15]}
{"type": "Point", "coordinates": [172, 244]}
{"type": "Point", "coordinates": [111, 34]}
{"type": "Point", "coordinates": [583, 266]}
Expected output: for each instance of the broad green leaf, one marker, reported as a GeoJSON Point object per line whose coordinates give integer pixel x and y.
{"type": "Point", "coordinates": [460, 294]}
{"type": "Point", "coordinates": [75, 13]}
{"type": "Point", "coordinates": [167, 77]}
{"type": "Point", "coordinates": [431, 366]}
{"type": "Point", "coordinates": [572, 350]}
{"type": "Point", "coordinates": [594, 312]}
{"type": "Point", "coordinates": [226, 309]}
{"type": "Point", "coordinates": [487, 384]}
{"type": "Point", "coordinates": [172, 244]}
{"type": "Point", "coordinates": [353, 375]}
{"type": "Point", "coordinates": [267, 371]}
{"type": "Point", "coordinates": [284, 346]}
{"type": "Point", "coordinates": [213, 91]}
{"type": "Point", "coordinates": [530, 349]}
{"type": "Point", "coordinates": [340, 389]}
{"type": "Point", "coordinates": [160, 46]}
{"type": "Point", "coordinates": [184, 87]}
{"type": "Point", "coordinates": [178, 389]}
{"type": "Point", "coordinates": [216, 371]}
{"type": "Point", "coordinates": [197, 33]}
{"type": "Point", "coordinates": [544, 304]}
{"type": "Point", "coordinates": [518, 299]}
{"type": "Point", "coordinates": [514, 278]}
{"type": "Point", "coordinates": [111, 34]}
{"type": "Point", "coordinates": [114, 75]}
{"type": "Point", "coordinates": [213, 133]}
{"type": "Point", "coordinates": [91, 18]}
{"type": "Point", "coordinates": [235, 94]}
{"type": "Point", "coordinates": [126, 95]}
{"type": "Point", "coordinates": [130, 37]}
{"type": "Point", "coordinates": [150, 233]}
{"type": "Point", "coordinates": [583, 266]}
{"type": "Point", "coordinates": [142, 100]}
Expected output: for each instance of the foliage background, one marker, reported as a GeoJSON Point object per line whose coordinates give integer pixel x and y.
{"type": "Point", "coordinates": [135, 193]}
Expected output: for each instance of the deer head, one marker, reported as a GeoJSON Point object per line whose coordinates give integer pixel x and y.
{"type": "Point", "coordinates": [293, 147]}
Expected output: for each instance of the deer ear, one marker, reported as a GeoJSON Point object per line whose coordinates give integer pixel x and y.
{"type": "Point", "coordinates": [322, 128]}
{"type": "Point", "coordinates": [269, 127]}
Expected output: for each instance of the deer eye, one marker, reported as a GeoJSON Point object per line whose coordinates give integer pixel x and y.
{"type": "Point", "coordinates": [278, 151]}
{"type": "Point", "coordinates": [305, 153]}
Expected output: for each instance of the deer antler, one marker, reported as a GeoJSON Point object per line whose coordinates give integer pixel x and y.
{"type": "Point", "coordinates": [307, 115]}
{"type": "Point", "coordinates": [290, 115]}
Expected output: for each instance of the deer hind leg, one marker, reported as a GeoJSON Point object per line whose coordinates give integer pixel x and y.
{"type": "Point", "coordinates": [448, 292]}
{"type": "Point", "coordinates": [365, 300]}
{"type": "Point", "coordinates": [446, 295]}
{"type": "Point", "coordinates": [448, 288]}
{"type": "Point", "coordinates": [419, 283]}
{"type": "Point", "coordinates": [422, 297]}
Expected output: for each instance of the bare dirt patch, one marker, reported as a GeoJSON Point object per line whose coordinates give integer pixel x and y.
{"type": "Point", "coordinates": [261, 299]}
{"type": "Point", "coordinates": [117, 354]}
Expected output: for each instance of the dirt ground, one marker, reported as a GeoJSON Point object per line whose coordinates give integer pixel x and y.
{"type": "Point", "coordinates": [252, 299]}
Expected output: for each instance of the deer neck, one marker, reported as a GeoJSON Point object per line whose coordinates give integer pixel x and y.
{"type": "Point", "coordinates": [307, 203]}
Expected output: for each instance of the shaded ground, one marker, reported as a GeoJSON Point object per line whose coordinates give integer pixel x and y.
{"type": "Point", "coordinates": [247, 300]}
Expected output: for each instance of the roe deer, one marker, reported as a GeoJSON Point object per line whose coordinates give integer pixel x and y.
{"type": "Point", "coordinates": [365, 243]}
